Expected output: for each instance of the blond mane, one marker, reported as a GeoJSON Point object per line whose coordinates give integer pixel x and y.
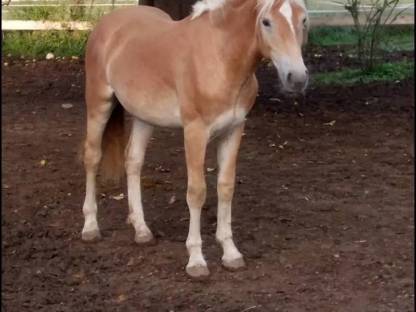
{"type": "Point", "coordinates": [203, 6]}
{"type": "Point", "coordinates": [264, 6]}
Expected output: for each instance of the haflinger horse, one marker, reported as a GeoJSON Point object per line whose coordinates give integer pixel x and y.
{"type": "Point", "coordinates": [197, 73]}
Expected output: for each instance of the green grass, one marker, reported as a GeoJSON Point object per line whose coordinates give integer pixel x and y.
{"type": "Point", "coordinates": [39, 43]}
{"type": "Point", "coordinates": [63, 12]}
{"type": "Point", "coordinates": [382, 72]}
{"type": "Point", "coordinates": [37, 13]}
{"type": "Point", "coordinates": [394, 38]}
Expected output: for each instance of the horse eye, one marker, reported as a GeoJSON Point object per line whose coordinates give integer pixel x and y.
{"type": "Point", "coordinates": [266, 22]}
{"type": "Point", "coordinates": [304, 21]}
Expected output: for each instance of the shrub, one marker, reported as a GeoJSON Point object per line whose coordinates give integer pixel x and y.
{"type": "Point", "coordinates": [368, 25]}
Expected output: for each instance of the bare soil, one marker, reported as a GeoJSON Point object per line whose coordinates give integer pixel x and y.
{"type": "Point", "coordinates": [323, 209]}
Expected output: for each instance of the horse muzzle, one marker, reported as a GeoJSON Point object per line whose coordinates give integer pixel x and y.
{"type": "Point", "coordinates": [296, 81]}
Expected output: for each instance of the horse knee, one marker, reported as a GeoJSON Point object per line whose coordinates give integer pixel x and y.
{"type": "Point", "coordinates": [196, 194]}
{"type": "Point", "coordinates": [92, 155]}
{"type": "Point", "coordinates": [225, 191]}
{"type": "Point", "coordinates": [133, 166]}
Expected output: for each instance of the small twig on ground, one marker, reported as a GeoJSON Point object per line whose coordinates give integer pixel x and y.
{"type": "Point", "coordinates": [250, 308]}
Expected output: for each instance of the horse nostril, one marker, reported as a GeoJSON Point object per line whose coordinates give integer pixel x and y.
{"type": "Point", "coordinates": [289, 77]}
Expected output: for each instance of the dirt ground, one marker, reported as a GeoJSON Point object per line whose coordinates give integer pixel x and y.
{"type": "Point", "coordinates": [322, 211]}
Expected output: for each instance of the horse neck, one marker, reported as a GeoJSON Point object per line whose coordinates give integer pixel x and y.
{"type": "Point", "coordinates": [234, 34]}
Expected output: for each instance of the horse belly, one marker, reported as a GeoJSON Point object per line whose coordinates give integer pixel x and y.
{"type": "Point", "coordinates": [158, 109]}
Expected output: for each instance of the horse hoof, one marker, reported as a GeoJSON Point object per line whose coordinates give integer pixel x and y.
{"type": "Point", "coordinates": [145, 239]}
{"type": "Point", "coordinates": [234, 264]}
{"type": "Point", "coordinates": [198, 272]}
{"type": "Point", "coordinates": [91, 236]}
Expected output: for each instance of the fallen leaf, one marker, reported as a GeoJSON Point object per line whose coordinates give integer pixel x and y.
{"type": "Point", "coordinates": [361, 241]}
{"type": "Point", "coordinates": [121, 298]}
{"type": "Point", "coordinates": [331, 123]}
{"type": "Point", "coordinates": [118, 197]}
{"type": "Point", "coordinates": [67, 105]}
{"type": "Point", "coordinates": [43, 162]}
{"type": "Point", "coordinates": [172, 200]}
{"type": "Point", "coordinates": [79, 275]}
{"type": "Point", "coordinates": [161, 169]}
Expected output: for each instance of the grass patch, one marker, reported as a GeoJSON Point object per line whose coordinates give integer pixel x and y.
{"type": "Point", "coordinates": [39, 43]}
{"type": "Point", "coordinates": [394, 38]}
{"type": "Point", "coordinates": [382, 72]}
{"type": "Point", "coordinates": [330, 36]}
{"type": "Point", "coordinates": [62, 12]}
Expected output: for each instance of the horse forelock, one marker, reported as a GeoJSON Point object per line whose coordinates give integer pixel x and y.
{"type": "Point", "coordinates": [264, 6]}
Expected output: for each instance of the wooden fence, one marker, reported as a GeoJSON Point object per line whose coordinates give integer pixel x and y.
{"type": "Point", "coordinates": [319, 17]}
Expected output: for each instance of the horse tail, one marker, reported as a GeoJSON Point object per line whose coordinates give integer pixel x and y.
{"type": "Point", "coordinates": [113, 144]}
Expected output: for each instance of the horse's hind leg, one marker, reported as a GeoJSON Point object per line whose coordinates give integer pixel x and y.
{"type": "Point", "coordinates": [135, 151]}
{"type": "Point", "coordinates": [98, 112]}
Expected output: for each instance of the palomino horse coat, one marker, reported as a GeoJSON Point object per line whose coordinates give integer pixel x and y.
{"type": "Point", "coordinates": [198, 74]}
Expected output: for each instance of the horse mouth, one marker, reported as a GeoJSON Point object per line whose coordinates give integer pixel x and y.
{"type": "Point", "coordinates": [293, 93]}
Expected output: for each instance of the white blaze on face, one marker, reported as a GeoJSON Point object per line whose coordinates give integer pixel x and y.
{"type": "Point", "coordinates": [286, 11]}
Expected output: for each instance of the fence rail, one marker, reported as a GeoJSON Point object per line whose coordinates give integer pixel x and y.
{"type": "Point", "coordinates": [336, 15]}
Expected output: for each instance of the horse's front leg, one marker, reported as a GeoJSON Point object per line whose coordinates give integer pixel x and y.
{"type": "Point", "coordinates": [196, 137]}
{"type": "Point", "coordinates": [227, 157]}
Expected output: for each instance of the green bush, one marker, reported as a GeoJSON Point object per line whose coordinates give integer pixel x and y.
{"type": "Point", "coordinates": [368, 26]}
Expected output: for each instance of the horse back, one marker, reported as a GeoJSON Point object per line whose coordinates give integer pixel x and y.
{"type": "Point", "coordinates": [121, 26]}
